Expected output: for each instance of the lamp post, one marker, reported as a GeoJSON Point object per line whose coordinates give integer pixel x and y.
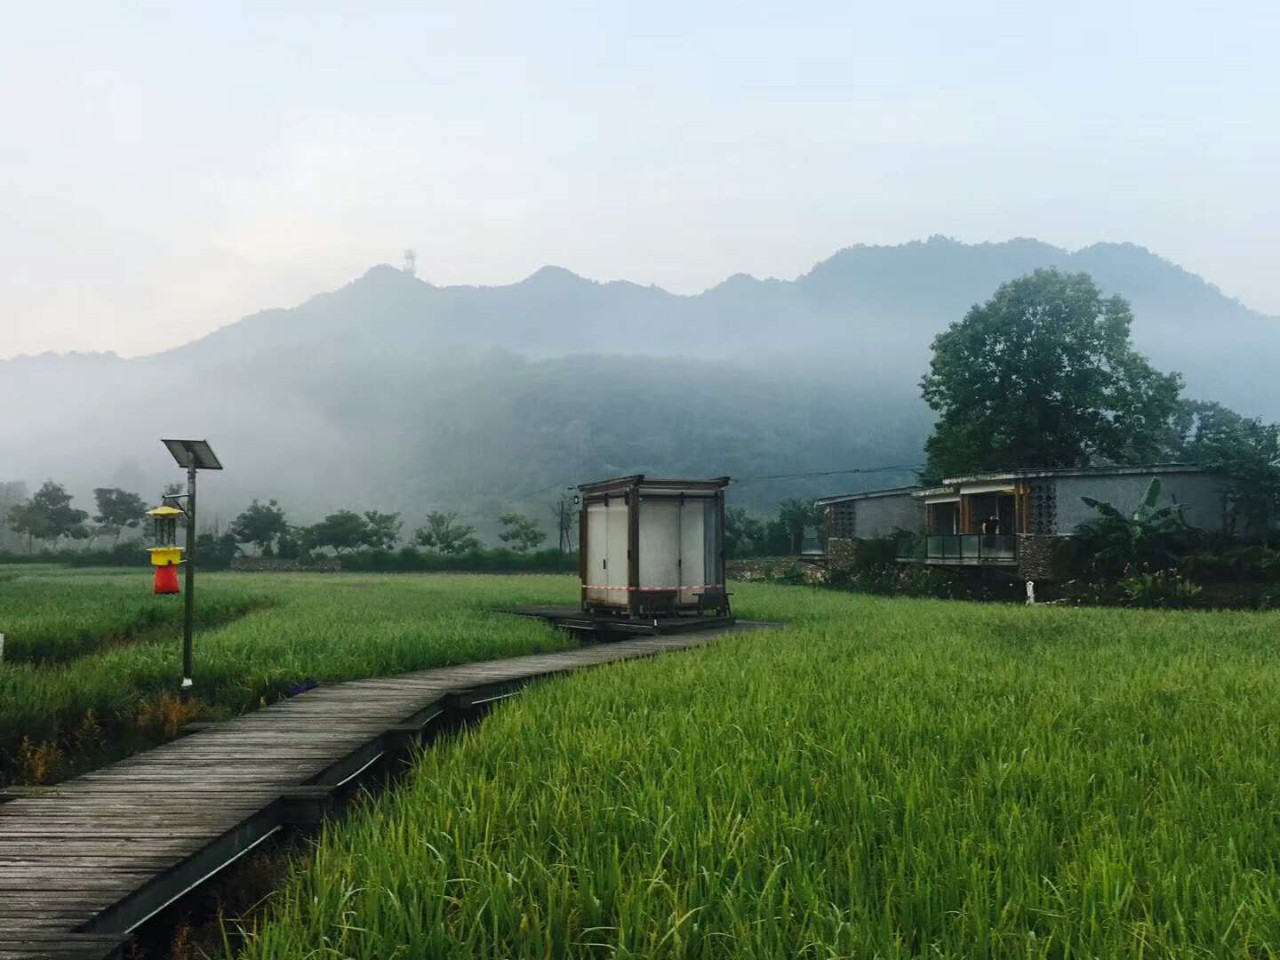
{"type": "Point", "coordinates": [195, 455]}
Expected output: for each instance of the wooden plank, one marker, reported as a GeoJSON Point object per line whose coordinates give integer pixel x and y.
{"type": "Point", "coordinates": [155, 863]}
{"type": "Point", "coordinates": [56, 884]}
{"type": "Point", "coordinates": [91, 847]}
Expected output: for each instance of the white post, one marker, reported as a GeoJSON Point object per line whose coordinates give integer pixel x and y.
{"type": "Point", "coordinates": [1, 648]}
{"type": "Point", "coordinates": [1031, 593]}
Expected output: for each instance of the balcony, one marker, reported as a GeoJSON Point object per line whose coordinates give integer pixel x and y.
{"type": "Point", "coordinates": [962, 549]}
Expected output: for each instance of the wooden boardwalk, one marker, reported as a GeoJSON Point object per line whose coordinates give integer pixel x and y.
{"type": "Point", "coordinates": [87, 861]}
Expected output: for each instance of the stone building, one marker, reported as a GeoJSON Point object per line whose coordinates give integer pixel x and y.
{"type": "Point", "coordinates": [1014, 520]}
{"type": "Point", "coordinates": [869, 516]}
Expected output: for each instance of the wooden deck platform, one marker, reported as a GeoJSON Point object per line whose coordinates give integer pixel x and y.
{"type": "Point", "coordinates": [601, 627]}
{"type": "Point", "coordinates": [87, 861]}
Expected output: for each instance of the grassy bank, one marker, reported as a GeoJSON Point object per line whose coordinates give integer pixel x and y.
{"type": "Point", "coordinates": [55, 615]}
{"type": "Point", "coordinates": [883, 778]}
{"type": "Point", "coordinates": [57, 719]}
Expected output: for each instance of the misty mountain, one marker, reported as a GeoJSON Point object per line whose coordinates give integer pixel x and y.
{"type": "Point", "coordinates": [397, 394]}
{"type": "Point", "coordinates": [867, 311]}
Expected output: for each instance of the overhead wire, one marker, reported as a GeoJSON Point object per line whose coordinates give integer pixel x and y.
{"type": "Point", "coordinates": [566, 485]}
{"type": "Point", "coordinates": [829, 473]}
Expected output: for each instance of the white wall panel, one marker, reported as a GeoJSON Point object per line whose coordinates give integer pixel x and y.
{"type": "Point", "coordinates": [659, 543]}
{"type": "Point", "coordinates": [597, 552]}
{"type": "Point", "coordinates": [693, 548]}
{"type": "Point", "coordinates": [619, 543]}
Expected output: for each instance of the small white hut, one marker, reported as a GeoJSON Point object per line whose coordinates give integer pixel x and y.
{"type": "Point", "coordinates": [653, 547]}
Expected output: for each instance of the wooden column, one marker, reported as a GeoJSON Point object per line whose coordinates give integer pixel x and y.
{"type": "Point", "coordinates": [633, 550]}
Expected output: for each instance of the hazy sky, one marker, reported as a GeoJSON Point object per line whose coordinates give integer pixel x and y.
{"type": "Point", "coordinates": [167, 168]}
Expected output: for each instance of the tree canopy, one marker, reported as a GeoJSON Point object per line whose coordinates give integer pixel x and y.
{"type": "Point", "coordinates": [343, 530]}
{"type": "Point", "coordinates": [793, 517]}
{"type": "Point", "coordinates": [48, 515]}
{"type": "Point", "coordinates": [743, 533]}
{"type": "Point", "coordinates": [382, 530]}
{"type": "Point", "coordinates": [521, 533]}
{"type": "Point", "coordinates": [443, 533]}
{"type": "Point", "coordinates": [1044, 375]}
{"type": "Point", "coordinates": [260, 524]}
{"type": "Point", "coordinates": [1247, 453]}
{"type": "Point", "coordinates": [118, 510]}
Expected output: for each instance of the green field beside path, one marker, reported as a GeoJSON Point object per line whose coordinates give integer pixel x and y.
{"type": "Point", "coordinates": [876, 778]}
{"type": "Point", "coordinates": [116, 696]}
{"type": "Point", "coordinates": [879, 779]}
{"type": "Point", "coordinates": [54, 615]}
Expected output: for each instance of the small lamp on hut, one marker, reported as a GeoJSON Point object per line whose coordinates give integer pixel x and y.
{"type": "Point", "coordinates": [166, 555]}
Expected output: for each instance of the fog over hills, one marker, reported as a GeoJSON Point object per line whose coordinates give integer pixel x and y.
{"type": "Point", "coordinates": [397, 394]}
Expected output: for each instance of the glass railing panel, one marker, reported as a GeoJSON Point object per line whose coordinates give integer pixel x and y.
{"type": "Point", "coordinates": [968, 546]}
{"type": "Point", "coordinates": [912, 548]}
{"type": "Point", "coordinates": [1002, 547]}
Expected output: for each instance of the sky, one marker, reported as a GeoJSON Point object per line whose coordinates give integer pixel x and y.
{"type": "Point", "coordinates": [168, 168]}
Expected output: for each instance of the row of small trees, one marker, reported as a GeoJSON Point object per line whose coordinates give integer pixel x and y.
{"type": "Point", "coordinates": [49, 517]}
{"type": "Point", "coordinates": [266, 527]}
{"type": "Point", "coordinates": [750, 536]}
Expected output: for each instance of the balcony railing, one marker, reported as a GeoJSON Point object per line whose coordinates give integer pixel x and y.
{"type": "Point", "coordinates": [961, 548]}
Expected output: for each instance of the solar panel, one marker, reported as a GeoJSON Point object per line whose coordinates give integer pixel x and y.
{"type": "Point", "coordinates": [193, 453]}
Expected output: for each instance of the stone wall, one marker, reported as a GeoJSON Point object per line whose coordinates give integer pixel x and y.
{"type": "Point", "coordinates": [1041, 558]}
{"type": "Point", "coordinates": [776, 570]}
{"type": "Point", "coordinates": [276, 565]}
{"type": "Point", "coordinates": [842, 557]}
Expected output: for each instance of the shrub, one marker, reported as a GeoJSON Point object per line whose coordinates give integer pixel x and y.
{"type": "Point", "coordinates": [1162, 588]}
{"type": "Point", "coordinates": [408, 559]}
{"type": "Point", "coordinates": [1235, 564]}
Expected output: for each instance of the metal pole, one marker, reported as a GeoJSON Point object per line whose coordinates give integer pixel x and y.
{"type": "Point", "coordinates": [189, 611]}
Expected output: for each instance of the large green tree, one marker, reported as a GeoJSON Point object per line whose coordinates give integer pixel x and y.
{"type": "Point", "coordinates": [118, 510]}
{"type": "Point", "coordinates": [260, 524]}
{"type": "Point", "coordinates": [444, 533]}
{"type": "Point", "coordinates": [520, 533]}
{"type": "Point", "coordinates": [12, 494]}
{"type": "Point", "coordinates": [1044, 375]}
{"type": "Point", "coordinates": [344, 530]}
{"type": "Point", "coordinates": [1247, 452]}
{"type": "Point", "coordinates": [48, 515]}
{"type": "Point", "coordinates": [383, 530]}
{"type": "Point", "coordinates": [743, 533]}
{"type": "Point", "coordinates": [795, 516]}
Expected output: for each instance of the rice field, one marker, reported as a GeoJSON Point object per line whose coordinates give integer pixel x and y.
{"type": "Point", "coordinates": [60, 714]}
{"type": "Point", "coordinates": [880, 779]}
{"type": "Point", "coordinates": [51, 615]}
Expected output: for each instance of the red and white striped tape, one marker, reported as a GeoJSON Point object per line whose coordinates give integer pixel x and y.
{"type": "Point", "coordinates": [687, 586]}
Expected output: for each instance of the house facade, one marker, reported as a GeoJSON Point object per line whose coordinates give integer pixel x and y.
{"type": "Point", "coordinates": [1010, 520]}
{"type": "Point", "coordinates": [869, 516]}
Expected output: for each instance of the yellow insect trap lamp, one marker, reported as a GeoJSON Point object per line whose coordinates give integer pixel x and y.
{"type": "Point", "coordinates": [166, 555]}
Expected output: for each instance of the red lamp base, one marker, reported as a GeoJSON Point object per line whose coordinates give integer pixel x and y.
{"type": "Point", "coordinates": [167, 579]}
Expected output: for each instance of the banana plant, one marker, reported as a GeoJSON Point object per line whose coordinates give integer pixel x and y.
{"type": "Point", "coordinates": [1148, 538]}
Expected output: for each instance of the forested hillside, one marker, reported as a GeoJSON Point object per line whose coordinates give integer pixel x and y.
{"type": "Point", "coordinates": [397, 394]}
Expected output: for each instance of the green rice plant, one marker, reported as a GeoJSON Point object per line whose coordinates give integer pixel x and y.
{"type": "Point", "coordinates": [879, 779]}
{"type": "Point", "coordinates": [55, 619]}
{"type": "Point", "coordinates": [323, 627]}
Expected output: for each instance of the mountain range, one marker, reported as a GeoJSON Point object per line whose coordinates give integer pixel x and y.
{"type": "Point", "coordinates": [393, 393]}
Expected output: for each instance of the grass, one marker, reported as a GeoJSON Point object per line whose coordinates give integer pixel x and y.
{"type": "Point", "coordinates": [50, 615]}
{"type": "Point", "coordinates": [57, 719]}
{"type": "Point", "coordinates": [881, 779]}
